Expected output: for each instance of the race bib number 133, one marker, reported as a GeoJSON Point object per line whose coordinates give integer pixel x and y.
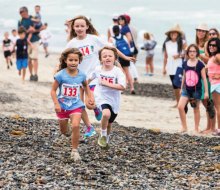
{"type": "Point", "coordinates": [70, 91]}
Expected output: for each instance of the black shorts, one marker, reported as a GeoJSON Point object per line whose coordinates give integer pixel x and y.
{"type": "Point", "coordinates": [124, 63]}
{"type": "Point", "coordinates": [113, 115]}
{"type": "Point", "coordinates": [7, 53]}
{"type": "Point", "coordinates": [172, 79]}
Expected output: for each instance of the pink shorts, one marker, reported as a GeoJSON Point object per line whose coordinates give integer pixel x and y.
{"type": "Point", "coordinates": [65, 114]}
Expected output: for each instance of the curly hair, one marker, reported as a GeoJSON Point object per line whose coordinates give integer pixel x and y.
{"type": "Point", "coordinates": [65, 54]}
{"type": "Point", "coordinates": [90, 30]}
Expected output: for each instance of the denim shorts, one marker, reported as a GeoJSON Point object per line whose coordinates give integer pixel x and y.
{"type": "Point", "coordinates": [194, 94]}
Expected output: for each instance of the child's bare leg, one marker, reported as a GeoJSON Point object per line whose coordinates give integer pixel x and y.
{"type": "Point", "coordinates": [106, 114]}
{"type": "Point", "coordinates": [63, 126]}
{"type": "Point", "coordinates": [23, 74]}
{"type": "Point", "coordinates": [181, 105]}
{"type": "Point", "coordinates": [75, 121]}
{"type": "Point", "coordinates": [197, 116]}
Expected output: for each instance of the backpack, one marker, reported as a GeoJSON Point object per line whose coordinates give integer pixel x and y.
{"type": "Point", "coordinates": [122, 45]}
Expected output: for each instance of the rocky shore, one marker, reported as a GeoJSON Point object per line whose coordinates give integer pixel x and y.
{"type": "Point", "coordinates": [35, 156]}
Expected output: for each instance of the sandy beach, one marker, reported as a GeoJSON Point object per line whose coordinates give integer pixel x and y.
{"type": "Point", "coordinates": [33, 99]}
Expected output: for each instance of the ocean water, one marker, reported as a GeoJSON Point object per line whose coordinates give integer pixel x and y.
{"type": "Point", "coordinates": [154, 16]}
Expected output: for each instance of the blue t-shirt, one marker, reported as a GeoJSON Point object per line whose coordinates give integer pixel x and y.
{"type": "Point", "coordinates": [124, 30]}
{"type": "Point", "coordinates": [26, 23]}
{"type": "Point", "coordinates": [69, 89]}
{"type": "Point", "coordinates": [193, 76]}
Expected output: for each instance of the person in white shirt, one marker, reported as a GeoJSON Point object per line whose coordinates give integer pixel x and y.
{"type": "Point", "coordinates": [112, 81]}
{"type": "Point", "coordinates": [45, 36]}
{"type": "Point", "coordinates": [13, 37]}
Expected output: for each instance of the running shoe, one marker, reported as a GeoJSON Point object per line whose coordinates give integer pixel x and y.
{"type": "Point", "coordinates": [102, 141]}
{"type": "Point", "coordinates": [75, 155]}
{"type": "Point", "coordinates": [98, 114]}
{"type": "Point", "coordinates": [90, 131]}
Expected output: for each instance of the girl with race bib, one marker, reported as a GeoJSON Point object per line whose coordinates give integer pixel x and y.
{"type": "Point", "coordinates": [112, 81]}
{"type": "Point", "coordinates": [68, 104]}
{"type": "Point", "coordinates": [85, 37]}
{"type": "Point", "coordinates": [191, 88]}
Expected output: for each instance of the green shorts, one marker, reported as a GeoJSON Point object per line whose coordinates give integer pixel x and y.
{"type": "Point", "coordinates": [209, 89]}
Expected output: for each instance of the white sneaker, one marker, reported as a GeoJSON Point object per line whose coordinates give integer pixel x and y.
{"type": "Point", "coordinates": [75, 155]}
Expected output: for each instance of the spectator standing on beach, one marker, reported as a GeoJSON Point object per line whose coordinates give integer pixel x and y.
{"type": "Point", "coordinates": [124, 20]}
{"type": "Point", "coordinates": [21, 47]}
{"type": "Point", "coordinates": [85, 37]}
{"type": "Point", "coordinates": [173, 49]}
{"type": "Point", "coordinates": [201, 41]}
{"type": "Point", "coordinates": [45, 36]}
{"type": "Point", "coordinates": [213, 49]}
{"type": "Point", "coordinates": [121, 43]}
{"type": "Point", "coordinates": [108, 91]}
{"type": "Point", "coordinates": [149, 45]}
{"type": "Point", "coordinates": [191, 88]}
{"type": "Point", "coordinates": [33, 49]}
{"type": "Point", "coordinates": [110, 29]}
{"type": "Point", "coordinates": [7, 46]}
{"type": "Point", "coordinates": [68, 104]}
{"type": "Point", "coordinates": [13, 37]}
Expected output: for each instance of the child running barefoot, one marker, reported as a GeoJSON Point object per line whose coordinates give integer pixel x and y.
{"type": "Point", "coordinates": [191, 88]}
{"type": "Point", "coordinates": [107, 93]}
{"type": "Point", "coordinates": [85, 37]}
{"type": "Point", "coordinates": [68, 104]}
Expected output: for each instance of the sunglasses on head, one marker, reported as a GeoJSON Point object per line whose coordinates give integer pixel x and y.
{"type": "Point", "coordinates": [212, 45]}
{"type": "Point", "coordinates": [212, 33]}
{"type": "Point", "coordinates": [199, 30]}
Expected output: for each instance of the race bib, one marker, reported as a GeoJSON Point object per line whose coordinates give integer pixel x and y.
{"type": "Point", "coordinates": [86, 50]}
{"type": "Point", "coordinates": [70, 91]}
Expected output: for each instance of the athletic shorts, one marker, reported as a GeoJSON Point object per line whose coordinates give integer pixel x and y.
{"type": "Point", "coordinates": [7, 53]}
{"type": "Point", "coordinates": [113, 115]}
{"type": "Point", "coordinates": [45, 44]}
{"type": "Point", "coordinates": [33, 52]}
{"type": "Point", "coordinates": [65, 114]}
{"type": "Point", "coordinates": [124, 63]}
{"type": "Point", "coordinates": [21, 64]}
{"type": "Point", "coordinates": [172, 79]}
{"type": "Point", "coordinates": [215, 88]}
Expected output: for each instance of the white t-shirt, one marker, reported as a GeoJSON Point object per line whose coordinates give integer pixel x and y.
{"type": "Point", "coordinates": [14, 39]}
{"type": "Point", "coordinates": [89, 47]}
{"type": "Point", "coordinates": [45, 36]}
{"type": "Point", "coordinates": [107, 95]}
{"type": "Point", "coordinates": [172, 64]}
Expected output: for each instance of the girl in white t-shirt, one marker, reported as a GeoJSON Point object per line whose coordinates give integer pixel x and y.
{"type": "Point", "coordinates": [85, 37]}
{"type": "Point", "coordinates": [112, 81]}
{"type": "Point", "coordinates": [173, 48]}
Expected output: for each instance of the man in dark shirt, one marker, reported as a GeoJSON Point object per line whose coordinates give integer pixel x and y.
{"type": "Point", "coordinates": [28, 24]}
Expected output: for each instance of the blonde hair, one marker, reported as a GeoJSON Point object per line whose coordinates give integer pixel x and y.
{"type": "Point", "coordinates": [108, 48]}
{"type": "Point", "coordinates": [147, 36]}
{"type": "Point", "coordinates": [90, 30]}
{"type": "Point", "coordinates": [65, 54]}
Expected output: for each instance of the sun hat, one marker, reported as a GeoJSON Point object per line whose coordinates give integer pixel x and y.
{"type": "Point", "coordinates": [115, 17]}
{"type": "Point", "coordinates": [175, 28]}
{"type": "Point", "coordinates": [202, 26]}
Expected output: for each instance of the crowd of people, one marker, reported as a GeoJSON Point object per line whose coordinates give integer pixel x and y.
{"type": "Point", "coordinates": [93, 72]}
{"type": "Point", "coordinates": [24, 43]}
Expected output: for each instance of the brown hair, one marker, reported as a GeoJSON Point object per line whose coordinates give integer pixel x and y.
{"type": "Point", "coordinates": [21, 30]}
{"type": "Point", "coordinates": [147, 36]}
{"type": "Point", "coordinates": [195, 46]}
{"type": "Point", "coordinates": [108, 48]}
{"type": "Point", "coordinates": [65, 54]}
{"type": "Point", "coordinates": [204, 40]}
{"type": "Point", "coordinates": [216, 31]}
{"type": "Point", "coordinates": [90, 30]}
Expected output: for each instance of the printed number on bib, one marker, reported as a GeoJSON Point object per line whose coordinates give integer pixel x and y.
{"type": "Point", "coordinates": [70, 91]}
{"type": "Point", "coordinates": [191, 78]}
{"type": "Point", "coordinates": [87, 50]}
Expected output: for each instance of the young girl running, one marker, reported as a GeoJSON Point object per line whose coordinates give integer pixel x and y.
{"type": "Point", "coordinates": [107, 93]}
{"type": "Point", "coordinates": [68, 104]}
{"type": "Point", "coordinates": [7, 46]}
{"type": "Point", "coordinates": [85, 37]}
{"type": "Point", "coordinates": [191, 88]}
